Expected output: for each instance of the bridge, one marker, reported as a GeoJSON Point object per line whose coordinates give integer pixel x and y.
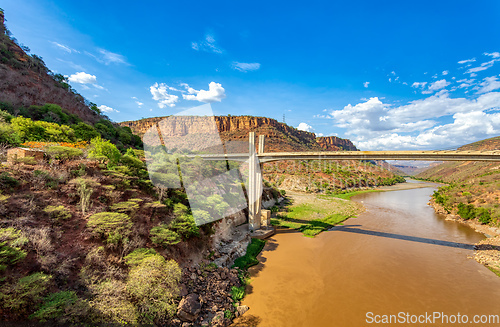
{"type": "Point", "coordinates": [254, 187]}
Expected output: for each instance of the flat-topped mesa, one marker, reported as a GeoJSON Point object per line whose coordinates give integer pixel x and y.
{"type": "Point", "coordinates": [329, 143]}
{"type": "Point", "coordinates": [279, 136]}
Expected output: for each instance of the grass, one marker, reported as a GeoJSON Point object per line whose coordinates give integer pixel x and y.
{"type": "Point", "coordinates": [497, 272]}
{"type": "Point", "coordinates": [250, 258]}
{"type": "Point", "coordinates": [318, 214]}
{"type": "Point", "coordinates": [348, 195]}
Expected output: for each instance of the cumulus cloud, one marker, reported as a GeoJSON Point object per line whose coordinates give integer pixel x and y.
{"type": "Point", "coordinates": [246, 66]}
{"type": "Point", "coordinates": [445, 72]}
{"type": "Point", "coordinates": [374, 125]}
{"type": "Point", "coordinates": [365, 84]}
{"type": "Point", "coordinates": [208, 45]}
{"type": "Point", "coordinates": [436, 86]}
{"type": "Point", "coordinates": [160, 94]}
{"type": "Point", "coordinates": [489, 84]}
{"type": "Point", "coordinates": [106, 109]}
{"type": "Point", "coordinates": [305, 127]}
{"type": "Point", "coordinates": [419, 84]}
{"type": "Point", "coordinates": [82, 78]}
{"type": "Point", "coordinates": [215, 93]}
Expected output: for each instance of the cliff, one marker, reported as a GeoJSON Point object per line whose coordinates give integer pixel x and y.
{"type": "Point", "coordinates": [279, 136]}
{"type": "Point", "coordinates": [26, 81]}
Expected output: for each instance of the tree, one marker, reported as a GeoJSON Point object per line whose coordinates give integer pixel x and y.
{"type": "Point", "coordinates": [101, 148]}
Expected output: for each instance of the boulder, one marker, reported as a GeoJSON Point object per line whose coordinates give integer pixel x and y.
{"type": "Point", "coordinates": [241, 309]}
{"type": "Point", "coordinates": [189, 308]}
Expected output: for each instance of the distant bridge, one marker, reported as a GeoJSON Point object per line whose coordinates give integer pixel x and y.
{"type": "Point", "coordinates": [254, 188]}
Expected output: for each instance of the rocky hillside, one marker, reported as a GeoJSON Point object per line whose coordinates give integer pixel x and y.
{"type": "Point", "coordinates": [26, 81]}
{"type": "Point", "coordinates": [473, 186]}
{"type": "Point", "coordinates": [279, 136]}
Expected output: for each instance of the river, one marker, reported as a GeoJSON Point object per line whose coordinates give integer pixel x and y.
{"type": "Point", "coordinates": [397, 257]}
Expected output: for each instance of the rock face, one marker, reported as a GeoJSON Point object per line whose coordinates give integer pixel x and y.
{"type": "Point", "coordinates": [25, 81]}
{"type": "Point", "coordinates": [189, 307]}
{"type": "Point", "coordinates": [331, 142]}
{"type": "Point", "coordinates": [279, 136]}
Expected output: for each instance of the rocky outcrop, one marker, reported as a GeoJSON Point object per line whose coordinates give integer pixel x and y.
{"type": "Point", "coordinates": [189, 307]}
{"type": "Point", "coordinates": [279, 136]}
{"type": "Point", "coordinates": [209, 296]}
{"type": "Point", "coordinates": [334, 143]}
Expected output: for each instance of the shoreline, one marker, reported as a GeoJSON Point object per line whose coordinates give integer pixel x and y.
{"type": "Point", "coordinates": [487, 251]}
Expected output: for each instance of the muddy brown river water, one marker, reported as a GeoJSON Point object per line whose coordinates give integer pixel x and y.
{"type": "Point", "coordinates": [397, 258]}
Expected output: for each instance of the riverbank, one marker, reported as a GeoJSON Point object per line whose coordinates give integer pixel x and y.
{"type": "Point", "coordinates": [487, 251]}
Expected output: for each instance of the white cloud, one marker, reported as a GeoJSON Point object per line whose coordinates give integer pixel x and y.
{"type": "Point", "coordinates": [305, 127]}
{"type": "Point", "coordinates": [107, 109]}
{"type": "Point", "coordinates": [493, 54]}
{"type": "Point", "coordinates": [365, 84]}
{"type": "Point", "coordinates": [112, 58]}
{"type": "Point", "coordinates": [436, 86]}
{"type": "Point", "coordinates": [466, 83]}
{"type": "Point", "coordinates": [215, 93]}
{"type": "Point", "coordinates": [82, 78]}
{"type": "Point", "coordinates": [377, 125]}
{"type": "Point", "coordinates": [319, 134]}
{"type": "Point", "coordinates": [139, 103]}
{"type": "Point", "coordinates": [208, 45]}
{"type": "Point", "coordinates": [65, 47]}
{"type": "Point", "coordinates": [483, 66]}
{"type": "Point", "coordinates": [160, 94]}
{"type": "Point", "coordinates": [445, 72]}
{"type": "Point", "coordinates": [419, 84]}
{"type": "Point", "coordinates": [489, 84]}
{"type": "Point", "coordinates": [461, 62]}
{"type": "Point", "coordinates": [246, 66]}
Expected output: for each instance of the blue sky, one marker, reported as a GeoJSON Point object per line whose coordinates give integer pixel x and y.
{"type": "Point", "coordinates": [385, 74]}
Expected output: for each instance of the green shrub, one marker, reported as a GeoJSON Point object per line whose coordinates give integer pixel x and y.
{"type": "Point", "coordinates": [85, 190]}
{"type": "Point", "coordinates": [7, 182]}
{"type": "Point", "coordinates": [11, 243]}
{"type": "Point", "coordinates": [163, 235]}
{"type": "Point", "coordinates": [113, 304]}
{"type": "Point", "coordinates": [26, 293]}
{"type": "Point", "coordinates": [466, 211]}
{"type": "Point", "coordinates": [8, 135]}
{"type": "Point", "coordinates": [484, 215]}
{"type": "Point", "coordinates": [128, 207]}
{"type": "Point", "coordinates": [100, 148]}
{"type": "Point", "coordinates": [237, 293]}
{"type": "Point", "coordinates": [136, 257]}
{"type": "Point", "coordinates": [57, 212]}
{"type": "Point", "coordinates": [154, 286]}
{"type": "Point", "coordinates": [63, 152]}
{"type": "Point", "coordinates": [84, 131]}
{"type": "Point", "coordinates": [26, 160]}
{"type": "Point", "coordinates": [113, 225]}
{"type": "Point", "coordinates": [55, 305]}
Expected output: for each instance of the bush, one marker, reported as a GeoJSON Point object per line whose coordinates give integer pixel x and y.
{"type": "Point", "coordinates": [138, 255]}
{"type": "Point", "coordinates": [484, 215]}
{"type": "Point", "coordinates": [128, 207]}
{"type": "Point", "coordinates": [85, 190]}
{"type": "Point", "coordinates": [11, 243]}
{"type": "Point", "coordinates": [8, 135]}
{"type": "Point", "coordinates": [112, 302]}
{"type": "Point", "coordinates": [85, 132]}
{"type": "Point", "coordinates": [63, 152]}
{"type": "Point", "coordinates": [163, 235]}
{"type": "Point", "coordinates": [113, 225]}
{"type": "Point", "coordinates": [466, 211]}
{"type": "Point", "coordinates": [57, 212]}
{"type": "Point", "coordinates": [100, 148]}
{"type": "Point", "coordinates": [154, 286]}
{"type": "Point", "coordinates": [7, 182]}
{"type": "Point", "coordinates": [26, 293]}
{"type": "Point", "coordinates": [55, 305]}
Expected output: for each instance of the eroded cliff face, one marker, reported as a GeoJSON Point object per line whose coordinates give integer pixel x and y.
{"type": "Point", "coordinates": [279, 136]}
{"type": "Point", "coordinates": [329, 142]}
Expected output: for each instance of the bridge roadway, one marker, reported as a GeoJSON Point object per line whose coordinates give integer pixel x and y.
{"type": "Point", "coordinates": [363, 155]}
{"type": "Point", "coordinates": [255, 158]}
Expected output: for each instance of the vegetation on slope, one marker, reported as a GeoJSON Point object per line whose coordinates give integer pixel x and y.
{"type": "Point", "coordinates": [473, 188]}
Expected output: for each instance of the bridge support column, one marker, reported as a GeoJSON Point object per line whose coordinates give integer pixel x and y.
{"type": "Point", "coordinates": [253, 186]}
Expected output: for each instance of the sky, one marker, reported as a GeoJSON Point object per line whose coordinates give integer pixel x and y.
{"type": "Point", "coordinates": [388, 75]}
